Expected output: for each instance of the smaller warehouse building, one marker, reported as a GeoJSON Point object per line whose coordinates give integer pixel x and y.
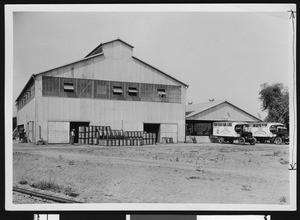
{"type": "Point", "coordinates": [200, 117]}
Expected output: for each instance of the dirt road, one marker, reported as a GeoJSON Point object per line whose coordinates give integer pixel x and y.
{"type": "Point", "coordinates": [174, 173]}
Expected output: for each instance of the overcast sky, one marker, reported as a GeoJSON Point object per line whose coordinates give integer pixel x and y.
{"type": "Point", "coordinates": [220, 55]}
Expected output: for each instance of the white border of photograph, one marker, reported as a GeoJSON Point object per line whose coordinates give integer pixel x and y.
{"type": "Point", "coordinates": [9, 103]}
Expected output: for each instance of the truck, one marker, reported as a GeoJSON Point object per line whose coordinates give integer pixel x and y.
{"type": "Point", "coordinates": [273, 132]}
{"type": "Point", "coordinates": [230, 131]}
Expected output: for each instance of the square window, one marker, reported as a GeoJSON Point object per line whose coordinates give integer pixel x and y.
{"type": "Point", "coordinates": [101, 89]}
{"type": "Point", "coordinates": [132, 91]}
{"type": "Point", "coordinates": [68, 87]}
{"type": "Point", "coordinates": [117, 90]}
{"type": "Point", "coordinates": [161, 92]}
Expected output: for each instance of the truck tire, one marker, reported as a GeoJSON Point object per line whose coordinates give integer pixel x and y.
{"type": "Point", "coordinates": [221, 140]}
{"type": "Point", "coordinates": [262, 141]}
{"type": "Point", "coordinates": [278, 140]}
{"type": "Point", "coordinates": [242, 141]}
{"type": "Point", "coordinates": [231, 141]}
{"type": "Point", "coordinates": [253, 141]}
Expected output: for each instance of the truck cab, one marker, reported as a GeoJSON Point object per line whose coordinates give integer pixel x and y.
{"type": "Point", "coordinates": [273, 132]}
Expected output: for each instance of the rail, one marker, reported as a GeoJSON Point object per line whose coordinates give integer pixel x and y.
{"type": "Point", "coordinates": [44, 196]}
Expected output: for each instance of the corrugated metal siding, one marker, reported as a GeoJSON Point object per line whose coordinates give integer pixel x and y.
{"type": "Point", "coordinates": [128, 70]}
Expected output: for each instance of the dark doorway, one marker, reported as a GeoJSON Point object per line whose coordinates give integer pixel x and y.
{"type": "Point", "coordinates": [152, 128]}
{"type": "Point", "coordinates": [75, 125]}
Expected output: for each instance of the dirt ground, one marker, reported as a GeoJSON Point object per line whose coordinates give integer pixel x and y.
{"type": "Point", "coordinates": [172, 173]}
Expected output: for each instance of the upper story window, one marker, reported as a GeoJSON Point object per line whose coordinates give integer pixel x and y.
{"type": "Point", "coordinates": [101, 89]}
{"type": "Point", "coordinates": [132, 91]}
{"type": "Point", "coordinates": [117, 90]}
{"type": "Point", "coordinates": [68, 87]}
{"type": "Point", "coordinates": [161, 92]}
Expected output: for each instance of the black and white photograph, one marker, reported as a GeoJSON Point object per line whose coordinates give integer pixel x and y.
{"type": "Point", "coordinates": [150, 107]}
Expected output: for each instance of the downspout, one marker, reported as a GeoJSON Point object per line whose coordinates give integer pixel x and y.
{"type": "Point", "coordinates": [35, 110]}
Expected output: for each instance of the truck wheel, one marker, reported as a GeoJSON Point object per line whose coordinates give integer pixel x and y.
{"type": "Point", "coordinates": [230, 141]}
{"type": "Point", "coordinates": [253, 141]}
{"type": "Point", "coordinates": [278, 141]}
{"type": "Point", "coordinates": [221, 140]}
{"type": "Point", "coordinates": [242, 140]}
{"type": "Point", "coordinates": [262, 141]}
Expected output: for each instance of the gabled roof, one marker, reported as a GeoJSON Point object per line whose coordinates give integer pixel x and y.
{"type": "Point", "coordinates": [91, 56]}
{"type": "Point", "coordinates": [160, 71]}
{"type": "Point", "coordinates": [100, 45]}
{"type": "Point", "coordinates": [194, 109]}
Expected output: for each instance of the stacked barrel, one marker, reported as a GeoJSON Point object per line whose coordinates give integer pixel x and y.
{"type": "Point", "coordinates": [105, 136]}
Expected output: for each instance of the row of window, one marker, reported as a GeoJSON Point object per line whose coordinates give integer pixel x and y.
{"type": "Point", "coordinates": [230, 124]}
{"type": "Point", "coordinates": [100, 89]}
{"type": "Point", "coordinates": [27, 96]}
{"type": "Point", "coordinates": [258, 125]}
{"type": "Point", "coordinates": [223, 124]}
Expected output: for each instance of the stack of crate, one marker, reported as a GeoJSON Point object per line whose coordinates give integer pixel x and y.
{"type": "Point", "coordinates": [105, 136]}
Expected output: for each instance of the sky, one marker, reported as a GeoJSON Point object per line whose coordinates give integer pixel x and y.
{"type": "Point", "coordinates": [220, 55]}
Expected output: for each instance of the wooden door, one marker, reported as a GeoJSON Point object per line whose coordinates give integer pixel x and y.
{"type": "Point", "coordinates": [58, 132]}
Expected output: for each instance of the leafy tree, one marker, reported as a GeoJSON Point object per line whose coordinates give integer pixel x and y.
{"type": "Point", "coordinates": [275, 100]}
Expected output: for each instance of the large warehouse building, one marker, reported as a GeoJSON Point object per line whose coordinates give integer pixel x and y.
{"type": "Point", "coordinates": [109, 87]}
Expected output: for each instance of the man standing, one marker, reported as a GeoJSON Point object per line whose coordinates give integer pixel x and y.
{"type": "Point", "coordinates": [72, 136]}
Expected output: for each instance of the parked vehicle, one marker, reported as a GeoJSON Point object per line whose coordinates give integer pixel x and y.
{"type": "Point", "coordinates": [230, 131]}
{"type": "Point", "coordinates": [270, 131]}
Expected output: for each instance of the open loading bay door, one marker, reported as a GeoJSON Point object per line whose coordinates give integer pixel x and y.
{"type": "Point", "coordinates": [58, 132]}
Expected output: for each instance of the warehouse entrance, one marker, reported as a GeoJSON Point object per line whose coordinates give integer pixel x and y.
{"type": "Point", "coordinates": [75, 125]}
{"type": "Point", "coordinates": [152, 128]}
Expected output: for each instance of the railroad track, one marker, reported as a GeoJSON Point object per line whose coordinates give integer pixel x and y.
{"type": "Point", "coordinates": [44, 196]}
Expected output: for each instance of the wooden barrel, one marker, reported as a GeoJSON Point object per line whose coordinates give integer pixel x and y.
{"type": "Point", "coordinates": [100, 132]}
{"type": "Point", "coordinates": [95, 142]}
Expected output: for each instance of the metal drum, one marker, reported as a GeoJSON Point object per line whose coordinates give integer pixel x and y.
{"type": "Point", "coordinates": [100, 133]}
{"type": "Point", "coordinates": [128, 142]}
{"type": "Point", "coordinates": [95, 141]}
{"type": "Point", "coordinates": [117, 142]}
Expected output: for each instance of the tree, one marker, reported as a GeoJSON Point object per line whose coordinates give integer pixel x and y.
{"type": "Point", "coordinates": [275, 100]}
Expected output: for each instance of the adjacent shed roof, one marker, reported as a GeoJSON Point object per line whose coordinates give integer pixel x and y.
{"type": "Point", "coordinates": [201, 108]}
